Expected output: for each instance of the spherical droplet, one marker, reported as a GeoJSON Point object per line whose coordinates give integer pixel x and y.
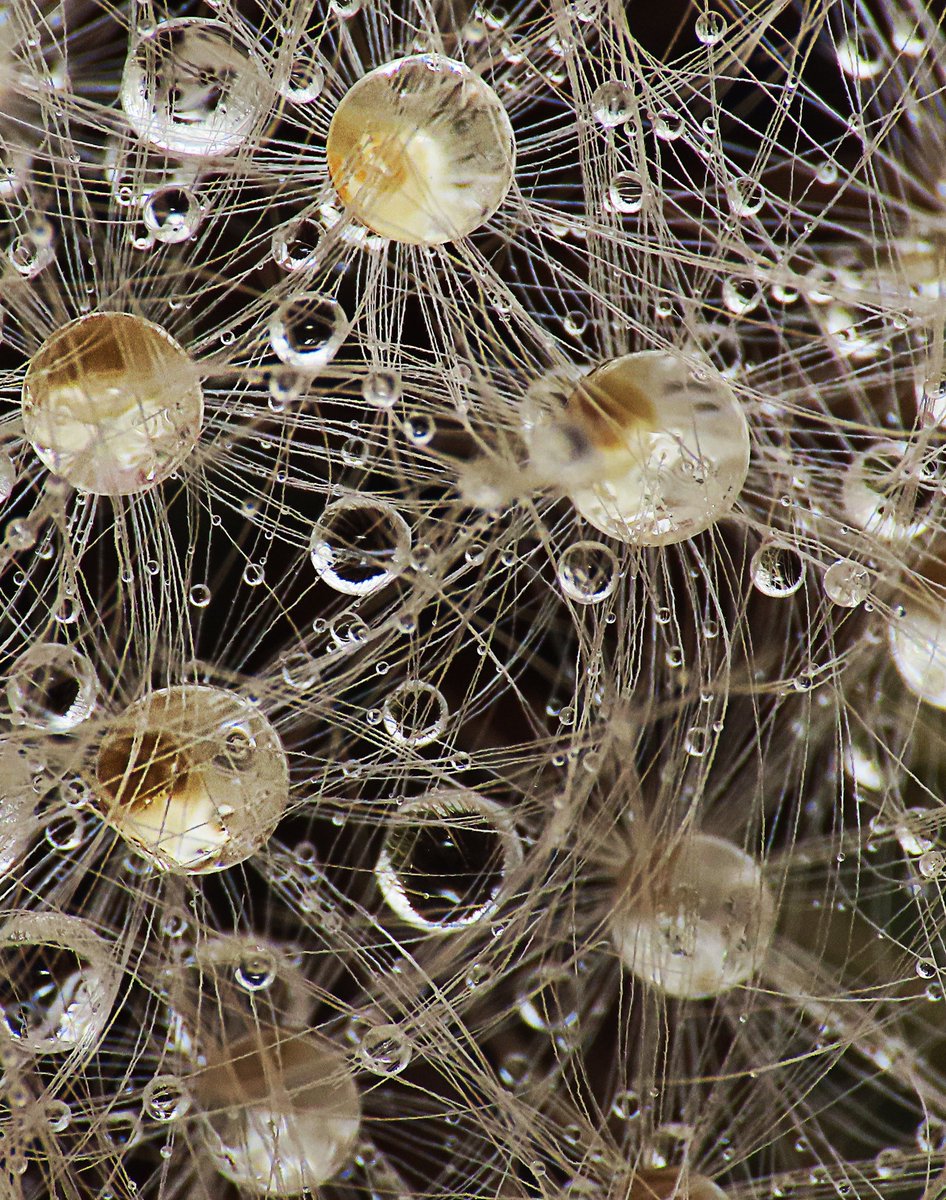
{"type": "Point", "coordinates": [613, 103]}
{"type": "Point", "coordinates": [421, 150]}
{"type": "Point", "coordinates": [281, 1113]}
{"type": "Point", "coordinates": [444, 860]}
{"type": "Point", "coordinates": [672, 449]}
{"type": "Point", "coordinates": [847, 583]}
{"type": "Point", "coordinates": [626, 192]}
{"type": "Point", "coordinates": [777, 569]}
{"type": "Point", "coordinates": [360, 544]}
{"type": "Point", "coordinates": [308, 331]}
{"type": "Point", "coordinates": [694, 919]}
{"type": "Point", "coordinates": [52, 687]}
{"type": "Point", "coordinates": [385, 1049]}
{"type": "Point", "coordinates": [112, 404]}
{"type": "Point", "coordinates": [194, 777]}
{"type": "Point", "coordinates": [191, 86]}
{"type": "Point", "coordinates": [58, 982]}
{"type": "Point", "coordinates": [711, 27]}
{"type": "Point", "coordinates": [415, 713]}
{"type": "Point", "coordinates": [165, 1098]}
{"type": "Point", "coordinates": [172, 214]}
{"type": "Point", "coordinates": [588, 572]}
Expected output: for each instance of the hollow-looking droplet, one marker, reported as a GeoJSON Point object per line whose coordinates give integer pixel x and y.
{"type": "Point", "coordinates": [308, 331]}
{"type": "Point", "coordinates": [52, 687]}
{"type": "Point", "coordinates": [588, 572]}
{"type": "Point", "coordinates": [194, 777]}
{"type": "Point", "coordinates": [281, 1111]}
{"type": "Point", "coordinates": [421, 150]}
{"type": "Point", "coordinates": [445, 858]}
{"type": "Point", "coordinates": [776, 569]}
{"type": "Point", "coordinates": [58, 982]}
{"type": "Point", "coordinates": [192, 87]}
{"type": "Point", "coordinates": [415, 713]}
{"type": "Point", "coordinates": [359, 544]}
{"type": "Point", "coordinates": [672, 449]}
{"type": "Point", "coordinates": [112, 404]}
{"type": "Point", "coordinates": [693, 920]}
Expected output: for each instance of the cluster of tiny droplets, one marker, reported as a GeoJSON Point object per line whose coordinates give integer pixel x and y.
{"type": "Point", "coordinates": [473, 592]}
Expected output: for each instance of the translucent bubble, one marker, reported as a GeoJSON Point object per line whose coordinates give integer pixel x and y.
{"type": "Point", "coordinates": [172, 214]}
{"type": "Point", "coordinates": [112, 404]}
{"type": "Point", "coordinates": [281, 1113]}
{"type": "Point", "coordinates": [385, 1049]}
{"type": "Point", "coordinates": [918, 648]}
{"type": "Point", "coordinates": [668, 125]}
{"type": "Point", "coordinates": [421, 150]}
{"type": "Point", "coordinates": [415, 713]}
{"type": "Point", "coordinates": [382, 388]}
{"type": "Point", "coordinates": [308, 331]}
{"type": "Point", "coordinates": [305, 80]}
{"type": "Point", "coordinates": [847, 583]}
{"type": "Point", "coordinates": [776, 569]}
{"type": "Point", "coordinates": [613, 103]}
{"type": "Point", "coordinates": [883, 490]}
{"type": "Point", "coordinates": [444, 860]}
{"type": "Point", "coordinates": [711, 27]}
{"type": "Point", "coordinates": [588, 572]}
{"type": "Point", "coordinates": [193, 87]}
{"type": "Point", "coordinates": [165, 1098]}
{"type": "Point", "coordinates": [58, 982]}
{"type": "Point", "coordinates": [52, 687]}
{"type": "Point", "coordinates": [626, 192]}
{"type": "Point", "coordinates": [672, 449]}
{"type": "Point", "coordinates": [694, 919]}
{"type": "Point", "coordinates": [359, 545]}
{"type": "Point", "coordinates": [194, 777]}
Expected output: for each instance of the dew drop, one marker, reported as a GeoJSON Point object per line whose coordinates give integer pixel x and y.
{"type": "Point", "coordinates": [308, 331]}
{"type": "Point", "coordinates": [776, 569]}
{"type": "Point", "coordinates": [588, 572]}
{"type": "Point", "coordinates": [359, 545]}
{"type": "Point", "coordinates": [52, 687]}
{"type": "Point", "coordinates": [414, 714]}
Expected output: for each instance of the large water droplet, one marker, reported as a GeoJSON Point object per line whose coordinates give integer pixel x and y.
{"type": "Point", "coordinates": [415, 713]}
{"type": "Point", "coordinates": [52, 687]}
{"type": "Point", "coordinates": [308, 331]}
{"type": "Point", "coordinates": [359, 545]}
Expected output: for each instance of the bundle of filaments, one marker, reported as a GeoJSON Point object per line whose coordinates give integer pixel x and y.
{"type": "Point", "coordinates": [473, 575]}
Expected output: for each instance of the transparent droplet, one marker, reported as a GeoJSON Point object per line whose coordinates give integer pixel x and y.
{"type": "Point", "coordinates": [847, 583]}
{"type": "Point", "coordinates": [741, 295]}
{"type": "Point", "coordinates": [191, 86]}
{"type": "Point", "coordinates": [415, 713]}
{"type": "Point", "coordinates": [613, 103]}
{"type": "Point", "coordinates": [7, 476]}
{"type": "Point", "coordinates": [776, 569]}
{"type": "Point", "coordinates": [626, 192]}
{"type": "Point", "coordinates": [58, 1115]}
{"type": "Point", "coordinates": [305, 79]}
{"type": "Point", "coordinates": [695, 919]}
{"type": "Point", "coordinates": [172, 214]}
{"type": "Point", "coordinates": [931, 864]}
{"type": "Point", "coordinates": [280, 1111]}
{"type": "Point", "coordinates": [421, 150]}
{"type": "Point", "coordinates": [588, 572]}
{"type": "Point", "coordinates": [385, 1049]}
{"type": "Point", "coordinates": [52, 687]}
{"type": "Point", "coordinates": [296, 245]}
{"type": "Point", "coordinates": [165, 1098]}
{"type": "Point", "coordinates": [112, 404]}
{"type": "Point", "coordinates": [30, 253]}
{"type": "Point", "coordinates": [382, 388]}
{"type": "Point", "coordinates": [58, 982]}
{"type": "Point", "coordinates": [886, 493]}
{"type": "Point", "coordinates": [662, 451]}
{"type": "Point", "coordinates": [668, 125]}
{"type": "Point", "coordinates": [444, 860]}
{"type": "Point", "coordinates": [308, 331]}
{"type": "Point", "coordinates": [194, 777]}
{"type": "Point", "coordinates": [711, 27]}
{"type": "Point", "coordinates": [359, 545]}
{"type": "Point", "coordinates": [746, 197]}
{"type": "Point", "coordinates": [199, 595]}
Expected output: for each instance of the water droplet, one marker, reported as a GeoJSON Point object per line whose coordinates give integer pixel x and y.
{"type": "Point", "coordinates": [191, 86]}
{"type": "Point", "coordinates": [52, 687]}
{"type": "Point", "coordinates": [626, 192]}
{"type": "Point", "coordinates": [385, 1050]}
{"type": "Point", "coordinates": [588, 572]}
{"type": "Point", "coordinates": [668, 125]}
{"type": "Point", "coordinates": [847, 583]}
{"type": "Point", "coordinates": [776, 569]}
{"type": "Point", "coordinates": [612, 103]}
{"type": "Point", "coordinates": [308, 331]}
{"type": "Point", "coordinates": [444, 860]}
{"type": "Point", "coordinates": [421, 150]}
{"type": "Point", "coordinates": [172, 214]}
{"type": "Point", "coordinates": [199, 595]}
{"type": "Point", "coordinates": [359, 545]}
{"type": "Point", "coordinates": [711, 27]}
{"type": "Point", "coordinates": [382, 388]}
{"type": "Point", "coordinates": [415, 713]}
{"type": "Point", "coordinates": [165, 1098]}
